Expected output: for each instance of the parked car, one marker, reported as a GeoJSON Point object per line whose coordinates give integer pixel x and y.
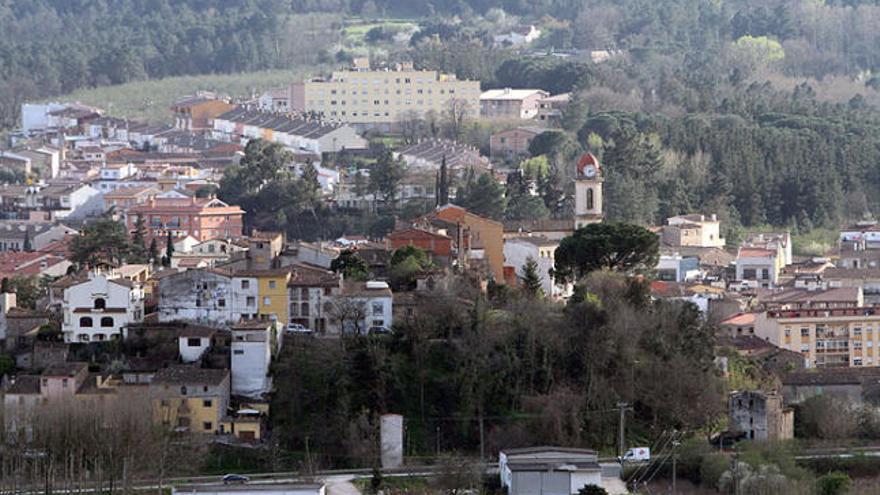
{"type": "Point", "coordinates": [297, 328]}
{"type": "Point", "coordinates": [377, 330]}
{"type": "Point", "coordinates": [235, 479]}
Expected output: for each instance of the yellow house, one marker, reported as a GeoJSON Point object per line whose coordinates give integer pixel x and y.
{"type": "Point", "coordinates": [192, 399]}
{"type": "Point", "coordinates": [273, 294]}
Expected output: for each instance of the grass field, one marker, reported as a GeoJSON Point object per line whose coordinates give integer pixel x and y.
{"type": "Point", "coordinates": [149, 100]}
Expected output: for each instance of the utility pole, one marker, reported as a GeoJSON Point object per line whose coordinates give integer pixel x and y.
{"type": "Point", "coordinates": [675, 444]}
{"type": "Point", "coordinates": [621, 446]}
{"type": "Point", "coordinates": [735, 469]}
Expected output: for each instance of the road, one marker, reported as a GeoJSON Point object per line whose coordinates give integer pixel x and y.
{"type": "Point", "coordinates": [341, 484]}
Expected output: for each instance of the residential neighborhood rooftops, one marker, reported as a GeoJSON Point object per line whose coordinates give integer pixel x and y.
{"type": "Point", "coordinates": [511, 94]}
{"type": "Point", "coordinates": [64, 369]}
{"type": "Point", "coordinates": [756, 253]}
{"type": "Point", "coordinates": [24, 384]}
{"type": "Point", "coordinates": [536, 240]}
{"type": "Point", "coordinates": [178, 375]}
{"type": "Point", "coordinates": [740, 319]}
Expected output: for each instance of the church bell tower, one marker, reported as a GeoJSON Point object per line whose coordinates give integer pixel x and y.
{"type": "Point", "coordinates": [587, 191]}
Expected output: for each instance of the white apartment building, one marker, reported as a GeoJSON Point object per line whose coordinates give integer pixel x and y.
{"type": "Point", "coordinates": [99, 307]}
{"type": "Point", "coordinates": [251, 355]}
{"type": "Point", "coordinates": [382, 97]}
{"type": "Point", "coordinates": [519, 250]}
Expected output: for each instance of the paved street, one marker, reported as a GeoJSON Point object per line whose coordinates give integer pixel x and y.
{"type": "Point", "coordinates": [341, 485]}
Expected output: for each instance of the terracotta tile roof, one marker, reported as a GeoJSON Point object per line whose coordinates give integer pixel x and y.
{"type": "Point", "coordinates": [64, 369]}
{"type": "Point", "coordinates": [24, 384]}
{"type": "Point", "coordinates": [182, 375]}
{"type": "Point", "coordinates": [756, 253]}
{"type": "Point", "coordinates": [741, 319]}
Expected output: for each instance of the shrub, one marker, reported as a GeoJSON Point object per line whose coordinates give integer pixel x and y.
{"type": "Point", "coordinates": [833, 483]}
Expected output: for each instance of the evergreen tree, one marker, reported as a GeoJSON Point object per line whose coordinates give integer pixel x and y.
{"type": "Point", "coordinates": [153, 252]}
{"type": "Point", "coordinates": [531, 279]}
{"type": "Point", "coordinates": [443, 186]}
{"type": "Point", "coordinates": [485, 198]}
{"type": "Point", "coordinates": [27, 247]}
{"type": "Point", "coordinates": [169, 251]}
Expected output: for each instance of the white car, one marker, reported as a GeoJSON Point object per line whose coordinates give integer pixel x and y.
{"type": "Point", "coordinates": [297, 328]}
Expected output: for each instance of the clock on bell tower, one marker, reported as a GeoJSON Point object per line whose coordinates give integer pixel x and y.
{"type": "Point", "coordinates": [587, 191]}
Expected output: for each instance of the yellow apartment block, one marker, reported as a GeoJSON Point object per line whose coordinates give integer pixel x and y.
{"type": "Point", "coordinates": [826, 337]}
{"type": "Point", "coordinates": [385, 96]}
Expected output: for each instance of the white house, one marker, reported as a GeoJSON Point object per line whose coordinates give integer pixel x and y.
{"type": "Point", "coordinates": [99, 307]}
{"type": "Point", "coordinates": [517, 252]}
{"type": "Point", "coordinates": [362, 305]}
{"type": "Point", "coordinates": [548, 470]}
{"type": "Point", "coordinates": [251, 355]}
{"type": "Point", "coordinates": [193, 341]}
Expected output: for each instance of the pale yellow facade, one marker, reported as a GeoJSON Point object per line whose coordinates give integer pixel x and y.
{"type": "Point", "coordinates": [385, 97]}
{"type": "Point", "coordinates": [836, 338]}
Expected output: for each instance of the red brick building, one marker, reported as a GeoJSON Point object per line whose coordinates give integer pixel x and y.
{"type": "Point", "coordinates": [202, 218]}
{"type": "Point", "coordinates": [436, 244]}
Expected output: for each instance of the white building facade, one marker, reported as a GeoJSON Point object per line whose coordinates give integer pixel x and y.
{"type": "Point", "coordinates": [99, 308]}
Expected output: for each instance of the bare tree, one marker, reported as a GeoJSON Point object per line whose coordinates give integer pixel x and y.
{"type": "Point", "coordinates": [457, 112]}
{"type": "Point", "coordinates": [347, 310]}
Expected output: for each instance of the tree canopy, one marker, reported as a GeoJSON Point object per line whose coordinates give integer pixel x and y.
{"type": "Point", "coordinates": [608, 245]}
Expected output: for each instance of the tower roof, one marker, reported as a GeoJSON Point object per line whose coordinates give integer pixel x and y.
{"type": "Point", "coordinates": [587, 159]}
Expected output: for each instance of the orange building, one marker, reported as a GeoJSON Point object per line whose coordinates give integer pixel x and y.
{"type": "Point", "coordinates": [476, 238]}
{"type": "Point", "coordinates": [195, 113]}
{"type": "Point", "coordinates": [180, 216]}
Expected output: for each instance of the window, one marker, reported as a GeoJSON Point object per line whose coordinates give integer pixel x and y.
{"type": "Point", "coordinates": [272, 284]}
{"type": "Point", "coordinates": [245, 284]}
{"type": "Point", "coordinates": [221, 303]}
{"type": "Point", "coordinates": [267, 301]}
{"type": "Point", "coordinates": [857, 332]}
{"type": "Point", "coordinates": [251, 301]}
{"type": "Point", "coordinates": [805, 332]}
{"type": "Point", "coordinates": [64, 383]}
{"type": "Point", "coordinates": [590, 198]}
{"type": "Point", "coordinates": [857, 361]}
{"type": "Point", "coordinates": [857, 344]}
{"type": "Point", "coordinates": [207, 403]}
{"type": "Point", "coordinates": [788, 332]}
{"type": "Point", "coordinates": [304, 309]}
{"type": "Point", "coordinates": [107, 321]}
{"type": "Point", "coordinates": [100, 303]}
{"type": "Point", "coordinates": [378, 323]}
{"type": "Point", "coordinates": [85, 321]}
{"type": "Point", "coordinates": [238, 352]}
{"type": "Point", "coordinates": [194, 342]}
{"type": "Point", "coordinates": [207, 425]}
{"type": "Point", "coordinates": [183, 390]}
{"type": "Point", "coordinates": [378, 308]}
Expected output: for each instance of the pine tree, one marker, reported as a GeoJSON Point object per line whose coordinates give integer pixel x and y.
{"type": "Point", "coordinates": [138, 242]}
{"type": "Point", "coordinates": [531, 280]}
{"type": "Point", "coordinates": [27, 247]}
{"type": "Point", "coordinates": [443, 187]}
{"type": "Point", "coordinates": [153, 253]}
{"type": "Point", "coordinates": [169, 251]}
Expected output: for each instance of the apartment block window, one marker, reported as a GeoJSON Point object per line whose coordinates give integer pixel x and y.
{"type": "Point", "coordinates": [788, 332]}
{"type": "Point", "coordinates": [221, 303]}
{"type": "Point", "coordinates": [193, 342]}
{"type": "Point", "coordinates": [857, 361]}
{"type": "Point", "coordinates": [245, 284]}
{"type": "Point", "coordinates": [267, 301]}
{"type": "Point", "coordinates": [857, 332]}
{"type": "Point", "coordinates": [376, 102]}
{"type": "Point", "coordinates": [805, 348]}
{"type": "Point", "coordinates": [208, 426]}
{"type": "Point", "coordinates": [251, 301]}
{"type": "Point", "coordinates": [272, 284]}
{"type": "Point", "coordinates": [207, 403]}
{"type": "Point", "coordinates": [407, 80]}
